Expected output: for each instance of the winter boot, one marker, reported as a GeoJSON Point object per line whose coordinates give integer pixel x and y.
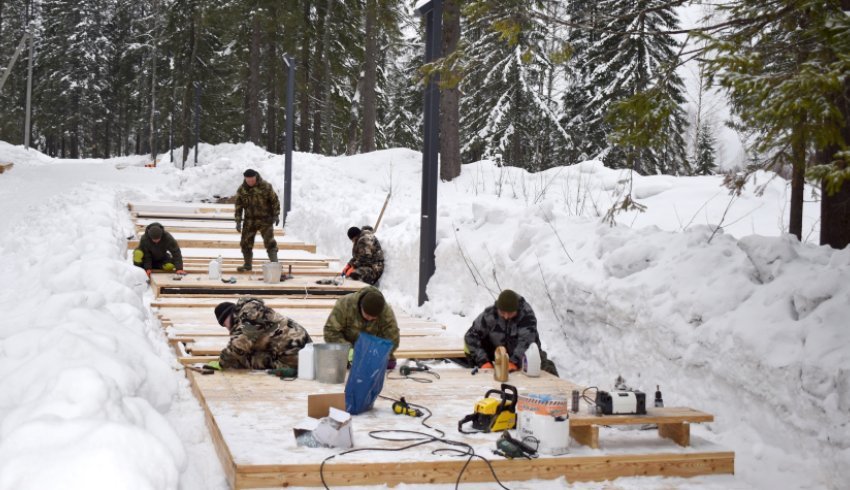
{"type": "Point", "coordinates": [273, 255]}
{"type": "Point", "coordinates": [248, 258]}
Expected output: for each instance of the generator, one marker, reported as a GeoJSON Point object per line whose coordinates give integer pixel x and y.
{"type": "Point", "coordinates": [621, 402]}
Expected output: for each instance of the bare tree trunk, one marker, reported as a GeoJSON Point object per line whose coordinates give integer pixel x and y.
{"type": "Point", "coordinates": [370, 74]}
{"type": "Point", "coordinates": [835, 208]}
{"type": "Point", "coordinates": [304, 72]}
{"type": "Point", "coordinates": [327, 108]}
{"type": "Point", "coordinates": [321, 79]}
{"type": "Point", "coordinates": [450, 97]}
{"type": "Point", "coordinates": [188, 89]}
{"type": "Point", "coordinates": [253, 92]}
{"type": "Point", "coordinates": [798, 179]}
{"type": "Point", "coordinates": [153, 80]}
{"type": "Point", "coordinates": [271, 97]}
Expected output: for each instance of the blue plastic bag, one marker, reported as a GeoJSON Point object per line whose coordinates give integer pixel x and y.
{"type": "Point", "coordinates": [366, 378]}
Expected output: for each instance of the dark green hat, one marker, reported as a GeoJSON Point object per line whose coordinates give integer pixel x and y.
{"type": "Point", "coordinates": [155, 232]}
{"type": "Point", "coordinates": [508, 301]}
{"type": "Point", "coordinates": [373, 303]}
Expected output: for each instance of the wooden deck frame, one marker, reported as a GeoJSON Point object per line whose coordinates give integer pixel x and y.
{"type": "Point", "coordinates": [432, 470]}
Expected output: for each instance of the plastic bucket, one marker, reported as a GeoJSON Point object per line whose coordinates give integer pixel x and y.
{"type": "Point", "coordinates": [271, 272]}
{"type": "Point", "coordinates": [331, 362]}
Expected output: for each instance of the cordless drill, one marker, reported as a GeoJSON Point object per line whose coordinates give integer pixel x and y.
{"type": "Point", "coordinates": [401, 407]}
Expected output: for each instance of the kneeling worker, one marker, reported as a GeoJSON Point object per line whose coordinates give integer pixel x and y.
{"type": "Point", "coordinates": [260, 338]}
{"type": "Point", "coordinates": [158, 250]}
{"type": "Point", "coordinates": [363, 311]}
{"type": "Point", "coordinates": [367, 256]}
{"type": "Point", "coordinates": [509, 322]}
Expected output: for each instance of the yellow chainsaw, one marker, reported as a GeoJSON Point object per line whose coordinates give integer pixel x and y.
{"type": "Point", "coordinates": [493, 414]}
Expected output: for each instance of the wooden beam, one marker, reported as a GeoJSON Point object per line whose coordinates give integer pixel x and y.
{"type": "Point", "coordinates": [307, 247]}
{"type": "Point", "coordinates": [586, 435]}
{"type": "Point", "coordinates": [678, 433]}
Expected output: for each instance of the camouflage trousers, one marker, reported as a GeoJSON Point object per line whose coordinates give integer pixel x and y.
{"type": "Point", "coordinates": [250, 228]}
{"type": "Point", "coordinates": [370, 274]}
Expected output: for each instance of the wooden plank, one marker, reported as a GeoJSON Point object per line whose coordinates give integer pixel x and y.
{"type": "Point", "coordinates": [236, 254]}
{"type": "Point", "coordinates": [587, 435]}
{"type": "Point", "coordinates": [163, 283]}
{"type": "Point", "coordinates": [215, 226]}
{"type": "Point", "coordinates": [221, 448]}
{"type": "Point", "coordinates": [177, 215]}
{"type": "Point", "coordinates": [278, 302]}
{"type": "Point", "coordinates": [587, 468]}
{"type": "Point", "coordinates": [664, 415]}
{"type": "Point", "coordinates": [180, 206]}
{"type": "Point", "coordinates": [219, 244]}
{"type": "Point", "coordinates": [678, 433]}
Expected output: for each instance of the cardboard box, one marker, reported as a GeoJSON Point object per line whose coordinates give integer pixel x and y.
{"type": "Point", "coordinates": [327, 423]}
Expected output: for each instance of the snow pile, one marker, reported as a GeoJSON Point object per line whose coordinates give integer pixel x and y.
{"type": "Point", "coordinates": [90, 395]}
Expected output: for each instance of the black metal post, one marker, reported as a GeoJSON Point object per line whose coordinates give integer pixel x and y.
{"type": "Point", "coordinates": [197, 118]}
{"type": "Point", "coordinates": [287, 171]}
{"type": "Point", "coordinates": [433, 13]}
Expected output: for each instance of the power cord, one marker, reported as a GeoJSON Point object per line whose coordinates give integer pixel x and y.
{"type": "Point", "coordinates": [421, 439]}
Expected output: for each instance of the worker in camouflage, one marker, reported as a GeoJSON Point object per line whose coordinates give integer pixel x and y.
{"type": "Point", "coordinates": [158, 250]}
{"type": "Point", "coordinates": [509, 322]}
{"type": "Point", "coordinates": [258, 202]}
{"type": "Point", "coordinates": [363, 311]}
{"type": "Point", "coordinates": [260, 338]}
{"type": "Point", "coordinates": [367, 257]}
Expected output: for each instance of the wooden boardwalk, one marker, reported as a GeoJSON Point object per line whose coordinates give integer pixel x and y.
{"type": "Point", "coordinates": [251, 414]}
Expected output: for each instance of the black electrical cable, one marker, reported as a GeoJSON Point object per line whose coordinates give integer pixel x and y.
{"type": "Point", "coordinates": [416, 442]}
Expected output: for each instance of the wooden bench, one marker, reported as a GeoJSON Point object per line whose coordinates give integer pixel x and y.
{"type": "Point", "coordinates": [673, 423]}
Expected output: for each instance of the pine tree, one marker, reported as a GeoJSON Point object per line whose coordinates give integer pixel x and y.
{"type": "Point", "coordinates": [508, 117]}
{"type": "Point", "coordinates": [631, 97]}
{"type": "Point", "coordinates": [780, 64]}
{"type": "Point", "coordinates": [705, 162]}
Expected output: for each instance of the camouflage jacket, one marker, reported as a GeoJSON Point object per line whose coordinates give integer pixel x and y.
{"type": "Point", "coordinates": [261, 338]}
{"type": "Point", "coordinates": [345, 321]}
{"type": "Point", "coordinates": [489, 331]}
{"type": "Point", "coordinates": [158, 251]}
{"type": "Point", "coordinates": [366, 251]}
{"type": "Point", "coordinates": [259, 203]}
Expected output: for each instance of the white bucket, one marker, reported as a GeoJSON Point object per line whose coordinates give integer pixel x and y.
{"type": "Point", "coordinates": [271, 272]}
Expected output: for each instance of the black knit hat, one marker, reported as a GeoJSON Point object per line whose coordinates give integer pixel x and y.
{"type": "Point", "coordinates": [250, 173]}
{"type": "Point", "coordinates": [508, 301]}
{"type": "Point", "coordinates": [373, 303]}
{"type": "Point", "coordinates": [155, 232]}
{"type": "Point", "coordinates": [353, 232]}
{"type": "Point", "coordinates": [223, 311]}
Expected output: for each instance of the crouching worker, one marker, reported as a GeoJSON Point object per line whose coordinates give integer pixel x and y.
{"type": "Point", "coordinates": [260, 338]}
{"type": "Point", "coordinates": [363, 311]}
{"type": "Point", "coordinates": [509, 322]}
{"type": "Point", "coordinates": [367, 256]}
{"type": "Point", "coordinates": [158, 250]}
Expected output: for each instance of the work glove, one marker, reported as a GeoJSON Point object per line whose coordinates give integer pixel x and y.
{"type": "Point", "coordinates": [487, 365]}
{"type": "Point", "coordinates": [512, 367]}
{"type": "Point", "coordinates": [391, 364]}
{"type": "Point", "coordinates": [351, 354]}
{"type": "Point", "coordinates": [239, 226]}
{"type": "Point", "coordinates": [181, 272]}
{"type": "Point", "coordinates": [346, 271]}
{"type": "Point", "coordinates": [148, 272]}
{"type": "Point", "coordinates": [213, 365]}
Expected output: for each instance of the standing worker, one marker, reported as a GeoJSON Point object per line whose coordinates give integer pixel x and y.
{"type": "Point", "coordinates": [367, 257]}
{"type": "Point", "coordinates": [511, 323]}
{"type": "Point", "coordinates": [261, 206]}
{"type": "Point", "coordinates": [158, 250]}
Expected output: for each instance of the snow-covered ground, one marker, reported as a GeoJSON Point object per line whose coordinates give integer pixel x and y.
{"type": "Point", "coordinates": [737, 319]}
